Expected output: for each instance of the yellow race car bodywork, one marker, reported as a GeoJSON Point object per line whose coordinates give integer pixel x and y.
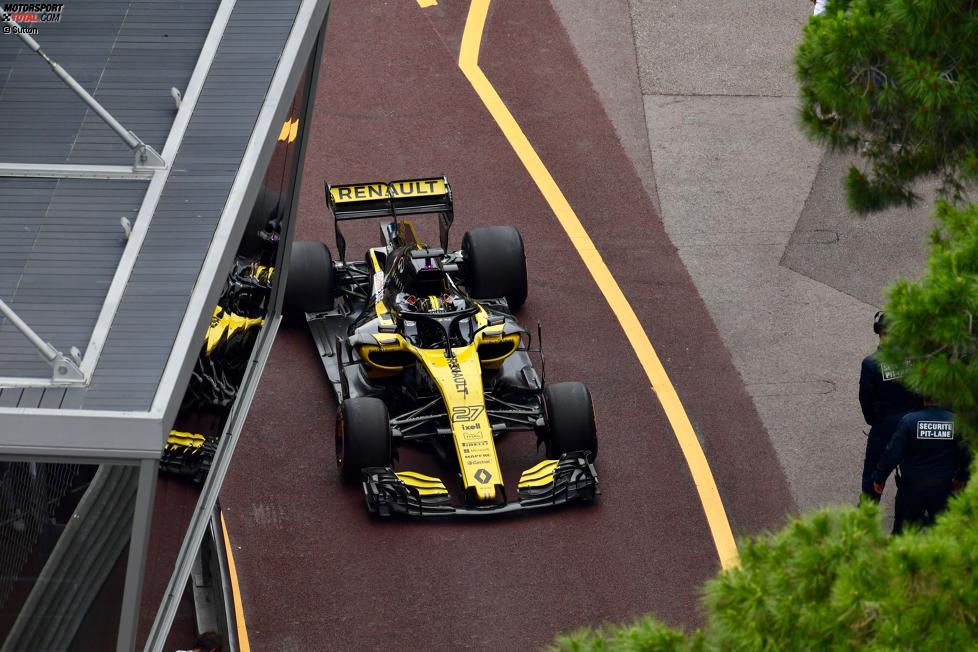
{"type": "Point", "coordinates": [422, 349]}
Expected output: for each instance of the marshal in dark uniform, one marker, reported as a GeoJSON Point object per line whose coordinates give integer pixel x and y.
{"type": "Point", "coordinates": [932, 461]}
{"type": "Point", "coordinates": [884, 401]}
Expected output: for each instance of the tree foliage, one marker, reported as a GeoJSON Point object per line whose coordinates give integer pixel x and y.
{"type": "Point", "coordinates": [895, 81]}
{"type": "Point", "coordinates": [932, 324]}
{"type": "Point", "coordinates": [830, 581]}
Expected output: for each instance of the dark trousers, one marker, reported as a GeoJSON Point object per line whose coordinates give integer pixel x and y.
{"type": "Point", "coordinates": [876, 443]}
{"type": "Point", "coordinates": [919, 504]}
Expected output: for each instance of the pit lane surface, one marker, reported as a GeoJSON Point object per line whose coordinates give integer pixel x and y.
{"type": "Point", "coordinates": [316, 571]}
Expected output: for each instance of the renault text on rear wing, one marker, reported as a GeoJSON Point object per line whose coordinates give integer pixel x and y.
{"type": "Point", "coordinates": [379, 198]}
{"type": "Point", "coordinates": [353, 201]}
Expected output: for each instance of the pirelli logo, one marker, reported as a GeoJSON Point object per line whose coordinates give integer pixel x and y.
{"type": "Point", "coordinates": [935, 430]}
{"type": "Point", "coordinates": [398, 189]}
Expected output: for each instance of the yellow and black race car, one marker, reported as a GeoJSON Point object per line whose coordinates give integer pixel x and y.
{"type": "Point", "coordinates": [422, 348]}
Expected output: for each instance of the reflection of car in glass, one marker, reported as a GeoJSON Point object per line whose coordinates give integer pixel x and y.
{"type": "Point", "coordinates": [421, 348]}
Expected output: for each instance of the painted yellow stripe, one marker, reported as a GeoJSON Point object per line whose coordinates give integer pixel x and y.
{"type": "Point", "coordinates": [417, 476]}
{"type": "Point", "coordinates": [542, 482]}
{"type": "Point", "coordinates": [428, 491]}
{"type": "Point", "coordinates": [239, 619]}
{"type": "Point", "coordinates": [539, 473]}
{"type": "Point", "coordinates": [541, 465]}
{"type": "Point", "coordinates": [425, 484]}
{"type": "Point", "coordinates": [706, 486]}
{"type": "Point", "coordinates": [420, 484]}
{"type": "Point", "coordinates": [540, 478]}
{"type": "Point", "coordinates": [546, 474]}
{"type": "Point", "coordinates": [427, 3]}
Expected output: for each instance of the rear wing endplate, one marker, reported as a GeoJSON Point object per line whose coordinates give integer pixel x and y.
{"type": "Point", "coordinates": [354, 201]}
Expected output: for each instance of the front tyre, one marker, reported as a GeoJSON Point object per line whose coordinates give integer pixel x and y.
{"type": "Point", "coordinates": [363, 436]}
{"type": "Point", "coordinates": [495, 264]}
{"type": "Point", "coordinates": [569, 420]}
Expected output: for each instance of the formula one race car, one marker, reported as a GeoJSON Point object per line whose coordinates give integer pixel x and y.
{"type": "Point", "coordinates": [421, 348]}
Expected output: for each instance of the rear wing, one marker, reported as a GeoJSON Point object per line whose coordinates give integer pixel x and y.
{"type": "Point", "coordinates": [354, 201]}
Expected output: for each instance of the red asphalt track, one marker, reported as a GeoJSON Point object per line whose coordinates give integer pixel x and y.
{"type": "Point", "coordinates": [316, 572]}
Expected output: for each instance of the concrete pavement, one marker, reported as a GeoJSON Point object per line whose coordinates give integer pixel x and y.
{"type": "Point", "coordinates": [757, 212]}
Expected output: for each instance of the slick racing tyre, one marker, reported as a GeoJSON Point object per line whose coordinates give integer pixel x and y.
{"type": "Point", "coordinates": [311, 280]}
{"type": "Point", "coordinates": [569, 420]}
{"type": "Point", "coordinates": [495, 264]}
{"type": "Point", "coordinates": [363, 436]}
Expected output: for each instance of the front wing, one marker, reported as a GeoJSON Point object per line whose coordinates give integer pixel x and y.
{"type": "Point", "coordinates": [572, 478]}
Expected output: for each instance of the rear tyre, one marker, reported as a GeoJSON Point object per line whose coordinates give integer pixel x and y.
{"type": "Point", "coordinates": [569, 420]}
{"type": "Point", "coordinates": [363, 436]}
{"type": "Point", "coordinates": [495, 264]}
{"type": "Point", "coordinates": [311, 281]}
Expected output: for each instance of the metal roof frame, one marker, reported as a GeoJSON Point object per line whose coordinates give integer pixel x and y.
{"type": "Point", "coordinates": [144, 156]}
{"type": "Point", "coordinates": [157, 177]}
{"type": "Point", "coordinates": [108, 434]}
{"type": "Point", "coordinates": [136, 437]}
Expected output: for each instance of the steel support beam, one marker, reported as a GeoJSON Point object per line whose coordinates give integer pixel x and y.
{"type": "Point", "coordinates": [74, 171]}
{"type": "Point", "coordinates": [102, 434]}
{"type": "Point", "coordinates": [145, 157]}
{"type": "Point", "coordinates": [65, 370]}
{"type": "Point", "coordinates": [138, 547]}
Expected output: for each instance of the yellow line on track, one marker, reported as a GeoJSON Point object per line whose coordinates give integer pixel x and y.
{"type": "Point", "coordinates": [706, 487]}
{"type": "Point", "coordinates": [239, 619]}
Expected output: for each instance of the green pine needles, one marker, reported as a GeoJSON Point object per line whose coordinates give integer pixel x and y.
{"type": "Point", "coordinates": [895, 81]}
{"type": "Point", "coordinates": [830, 581]}
{"type": "Point", "coordinates": [933, 322]}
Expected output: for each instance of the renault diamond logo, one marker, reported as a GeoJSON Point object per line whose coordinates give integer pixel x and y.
{"type": "Point", "coordinates": [483, 476]}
